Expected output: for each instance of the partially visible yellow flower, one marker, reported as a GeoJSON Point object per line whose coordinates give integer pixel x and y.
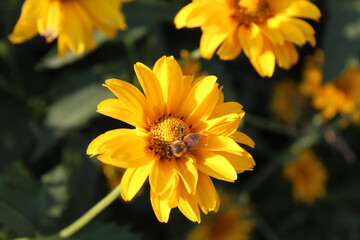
{"type": "Point", "coordinates": [341, 96]}
{"type": "Point", "coordinates": [287, 101]}
{"type": "Point", "coordinates": [266, 30]}
{"type": "Point", "coordinates": [233, 223]}
{"type": "Point", "coordinates": [329, 100]}
{"type": "Point", "coordinates": [349, 84]}
{"type": "Point", "coordinates": [308, 177]}
{"type": "Point", "coordinates": [184, 134]}
{"type": "Point", "coordinates": [72, 22]}
{"type": "Point", "coordinates": [188, 65]}
{"type": "Point", "coordinates": [113, 175]}
{"type": "Point", "coordinates": [355, 118]}
{"type": "Point", "coordinates": [312, 75]}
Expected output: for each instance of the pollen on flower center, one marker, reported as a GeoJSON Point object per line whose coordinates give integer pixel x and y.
{"type": "Point", "coordinates": [248, 11]}
{"type": "Point", "coordinates": [165, 130]}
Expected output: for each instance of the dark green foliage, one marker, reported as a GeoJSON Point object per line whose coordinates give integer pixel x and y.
{"type": "Point", "coordinates": [48, 117]}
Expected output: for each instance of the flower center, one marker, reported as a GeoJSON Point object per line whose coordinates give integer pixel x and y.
{"type": "Point", "coordinates": [164, 131]}
{"type": "Point", "coordinates": [248, 11]}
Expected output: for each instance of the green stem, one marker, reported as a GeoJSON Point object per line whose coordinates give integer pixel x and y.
{"type": "Point", "coordinates": [268, 125]}
{"type": "Point", "coordinates": [89, 215]}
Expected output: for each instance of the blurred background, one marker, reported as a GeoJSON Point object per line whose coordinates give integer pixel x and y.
{"type": "Point", "coordinates": [306, 184]}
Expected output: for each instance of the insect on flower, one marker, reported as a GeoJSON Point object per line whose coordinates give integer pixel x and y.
{"type": "Point", "coordinates": [179, 147]}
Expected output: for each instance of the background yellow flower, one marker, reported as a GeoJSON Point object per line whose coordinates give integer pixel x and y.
{"type": "Point", "coordinates": [265, 30]}
{"type": "Point", "coordinates": [287, 102]}
{"type": "Point", "coordinates": [235, 221]}
{"type": "Point", "coordinates": [312, 75]}
{"type": "Point", "coordinates": [308, 177]}
{"type": "Point", "coordinates": [341, 96]}
{"type": "Point", "coordinates": [71, 22]}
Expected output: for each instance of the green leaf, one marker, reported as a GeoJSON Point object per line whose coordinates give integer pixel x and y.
{"type": "Point", "coordinates": [15, 132]}
{"type": "Point", "coordinates": [17, 193]}
{"type": "Point", "coordinates": [18, 188]}
{"type": "Point", "coordinates": [341, 36]}
{"type": "Point", "coordinates": [68, 113]}
{"type": "Point", "coordinates": [53, 197]}
{"type": "Point", "coordinates": [14, 221]}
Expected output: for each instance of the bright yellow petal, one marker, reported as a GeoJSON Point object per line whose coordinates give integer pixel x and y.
{"type": "Point", "coordinates": [23, 31]}
{"type": "Point", "coordinates": [187, 170]}
{"type": "Point", "coordinates": [162, 176]}
{"type": "Point", "coordinates": [265, 62]}
{"type": "Point", "coordinates": [130, 100]}
{"type": "Point", "coordinates": [133, 180]}
{"type": "Point", "coordinates": [160, 206]}
{"type": "Point", "coordinates": [240, 163]}
{"type": "Point", "coordinates": [303, 9]}
{"type": "Point", "coordinates": [282, 55]}
{"type": "Point", "coordinates": [231, 47]}
{"type": "Point", "coordinates": [272, 34]}
{"type": "Point", "coordinates": [200, 100]}
{"type": "Point", "coordinates": [188, 205]}
{"type": "Point", "coordinates": [242, 138]}
{"type": "Point", "coordinates": [118, 109]}
{"type": "Point", "coordinates": [193, 14]}
{"type": "Point", "coordinates": [51, 23]}
{"type": "Point", "coordinates": [151, 86]}
{"type": "Point", "coordinates": [307, 29]}
{"type": "Point", "coordinates": [217, 11]}
{"type": "Point", "coordinates": [294, 56]}
{"type": "Point", "coordinates": [26, 27]}
{"type": "Point", "coordinates": [290, 31]}
{"type": "Point", "coordinates": [93, 148]}
{"type": "Point", "coordinates": [172, 194]}
{"type": "Point", "coordinates": [215, 165]}
{"type": "Point", "coordinates": [124, 148]}
{"type": "Point", "coordinates": [76, 35]}
{"type": "Point", "coordinates": [223, 126]}
{"type": "Point", "coordinates": [171, 80]}
{"type": "Point", "coordinates": [226, 108]}
{"type": "Point", "coordinates": [209, 42]}
{"type": "Point", "coordinates": [105, 15]}
{"type": "Point", "coordinates": [206, 195]}
{"type": "Point", "coordinates": [219, 143]}
{"type": "Point", "coordinates": [251, 40]}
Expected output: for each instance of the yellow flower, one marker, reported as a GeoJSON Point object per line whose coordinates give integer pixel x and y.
{"type": "Point", "coordinates": [72, 22]}
{"type": "Point", "coordinates": [266, 30]}
{"type": "Point", "coordinates": [312, 73]}
{"type": "Point", "coordinates": [184, 134]}
{"type": "Point", "coordinates": [113, 175]}
{"type": "Point", "coordinates": [188, 65]}
{"type": "Point", "coordinates": [308, 177]}
{"type": "Point", "coordinates": [341, 96]}
{"type": "Point", "coordinates": [233, 223]}
{"type": "Point", "coordinates": [287, 102]}
{"type": "Point", "coordinates": [329, 100]}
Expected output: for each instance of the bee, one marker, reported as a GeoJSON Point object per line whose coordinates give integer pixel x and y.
{"type": "Point", "coordinates": [179, 147]}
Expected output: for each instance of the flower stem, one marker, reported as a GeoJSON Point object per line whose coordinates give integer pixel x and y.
{"type": "Point", "coordinates": [89, 215]}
